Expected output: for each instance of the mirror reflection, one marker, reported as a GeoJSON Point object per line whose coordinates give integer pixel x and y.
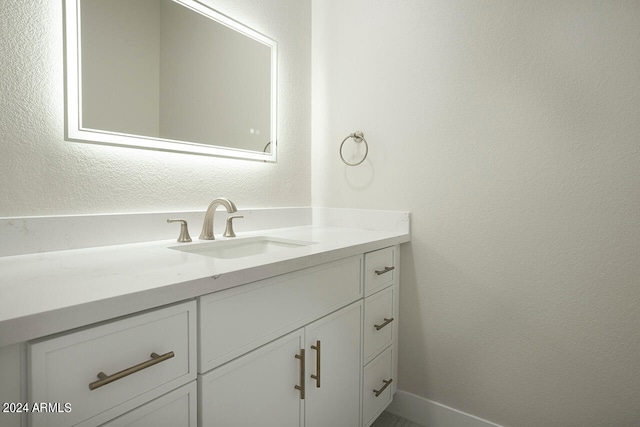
{"type": "Point", "coordinates": [171, 75]}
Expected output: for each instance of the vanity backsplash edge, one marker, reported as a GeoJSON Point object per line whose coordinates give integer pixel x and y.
{"type": "Point", "coordinates": [28, 235]}
{"type": "Point", "coordinates": [36, 234]}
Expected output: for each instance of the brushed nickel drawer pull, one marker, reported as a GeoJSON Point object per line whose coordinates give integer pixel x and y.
{"type": "Point", "coordinates": [386, 322]}
{"type": "Point", "coordinates": [386, 384]}
{"type": "Point", "coordinates": [386, 270]}
{"type": "Point", "coordinates": [317, 375]}
{"type": "Point", "coordinates": [105, 379]}
{"type": "Point", "coordinates": [302, 374]}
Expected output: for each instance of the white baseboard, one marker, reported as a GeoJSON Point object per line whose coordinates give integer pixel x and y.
{"type": "Point", "coordinates": [432, 414]}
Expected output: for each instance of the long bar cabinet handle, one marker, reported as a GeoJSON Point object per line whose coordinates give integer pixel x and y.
{"type": "Point", "coordinates": [386, 270]}
{"type": "Point", "coordinates": [386, 384]}
{"type": "Point", "coordinates": [386, 322]}
{"type": "Point", "coordinates": [302, 374]}
{"type": "Point", "coordinates": [317, 374]}
{"type": "Point", "coordinates": [104, 379]}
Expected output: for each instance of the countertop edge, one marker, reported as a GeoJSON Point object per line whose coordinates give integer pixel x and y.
{"type": "Point", "coordinates": [41, 324]}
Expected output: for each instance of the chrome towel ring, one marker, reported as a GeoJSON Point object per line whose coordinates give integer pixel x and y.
{"type": "Point", "coordinates": [357, 137]}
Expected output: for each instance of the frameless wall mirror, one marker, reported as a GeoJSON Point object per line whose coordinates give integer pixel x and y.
{"type": "Point", "coordinates": [169, 75]}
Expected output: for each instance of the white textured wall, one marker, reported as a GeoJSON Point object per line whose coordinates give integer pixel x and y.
{"type": "Point", "coordinates": [511, 131]}
{"type": "Point", "coordinates": [41, 174]}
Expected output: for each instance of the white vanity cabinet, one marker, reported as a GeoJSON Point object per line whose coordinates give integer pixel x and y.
{"type": "Point", "coordinates": [315, 347]}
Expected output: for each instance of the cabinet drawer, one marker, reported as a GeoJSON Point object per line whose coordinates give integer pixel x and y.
{"type": "Point", "coordinates": [237, 320]}
{"type": "Point", "coordinates": [66, 368]}
{"type": "Point", "coordinates": [378, 322]}
{"type": "Point", "coordinates": [378, 389]}
{"type": "Point", "coordinates": [379, 270]}
{"type": "Point", "coordinates": [176, 409]}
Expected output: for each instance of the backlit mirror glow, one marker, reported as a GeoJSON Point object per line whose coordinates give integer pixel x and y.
{"type": "Point", "coordinates": [169, 75]}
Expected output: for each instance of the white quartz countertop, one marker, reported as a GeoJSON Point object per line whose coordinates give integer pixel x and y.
{"type": "Point", "coordinates": [50, 292]}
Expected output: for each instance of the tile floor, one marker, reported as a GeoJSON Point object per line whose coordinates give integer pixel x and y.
{"type": "Point", "coordinates": [387, 419]}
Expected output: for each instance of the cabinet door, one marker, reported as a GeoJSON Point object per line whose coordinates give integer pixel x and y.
{"type": "Point", "coordinates": [257, 389]}
{"type": "Point", "coordinates": [334, 361]}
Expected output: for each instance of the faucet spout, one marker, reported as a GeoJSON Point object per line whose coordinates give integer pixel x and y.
{"type": "Point", "coordinates": [207, 227]}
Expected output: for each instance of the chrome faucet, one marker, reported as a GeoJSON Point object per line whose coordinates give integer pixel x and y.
{"type": "Point", "coordinates": [207, 227]}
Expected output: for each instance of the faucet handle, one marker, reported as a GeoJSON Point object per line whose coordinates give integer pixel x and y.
{"type": "Point", "coordinates": [228, 231]}
{"type": "Point", "coordinates": [184, 230]}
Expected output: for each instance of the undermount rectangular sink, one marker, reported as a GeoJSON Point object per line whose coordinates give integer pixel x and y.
{"type": "Point", "coordinates": [228, 249]}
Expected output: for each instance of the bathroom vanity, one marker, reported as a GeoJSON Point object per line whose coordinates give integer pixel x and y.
{"type": "Point", "coordinates": [162, 334]}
